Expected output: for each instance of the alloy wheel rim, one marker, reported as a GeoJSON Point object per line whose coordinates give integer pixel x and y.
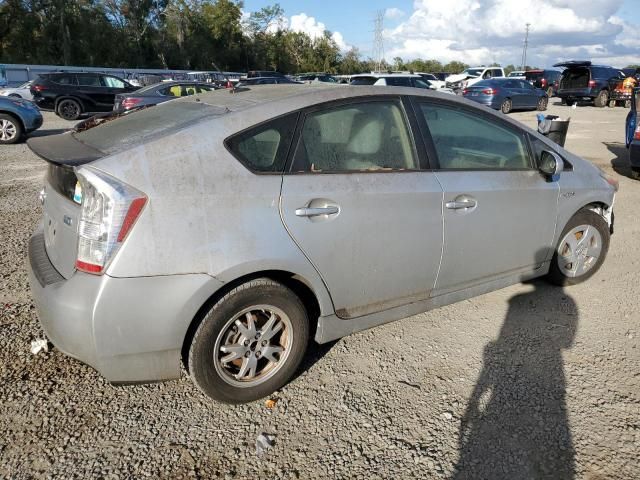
{"type": "Point", "coordinates": [8, 130]}
{"type": "Point", "coordinates": [69, 109]}
{"type": "Point", "coordinates": [579, 250]}
{"type": "Point", "coordinates": [253, 346]}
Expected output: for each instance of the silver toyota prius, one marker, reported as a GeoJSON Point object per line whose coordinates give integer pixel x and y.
{"type": "Point", "coordinates": [225, 230]}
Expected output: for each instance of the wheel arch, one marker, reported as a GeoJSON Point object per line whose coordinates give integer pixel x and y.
{"type": "Point", "coordinates": [296, 283]}
{"type": "Point", "coordinates": [68, 97]}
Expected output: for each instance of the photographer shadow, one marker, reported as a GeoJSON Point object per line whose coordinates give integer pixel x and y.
{"type": "Point", "coordinates": [516, 424]}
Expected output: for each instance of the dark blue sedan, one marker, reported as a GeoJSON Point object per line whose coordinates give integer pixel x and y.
{"type": "Point", "coordinates": [507, 94]}
{"type": "Point", "coordinates": [17, 117]}
{"type": "Point", "coordinates": [633, 134]}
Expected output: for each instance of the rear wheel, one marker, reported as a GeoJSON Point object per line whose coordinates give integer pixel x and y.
{"type": "Point", "coordinates": [542, 103]}
{"type": "Point", "coordinates": [506, 106]}
{"type": "Point", "coordinates": [10, 130]}
{"type": "Point", "coordinates": [612, 103]}
{"type": "Point", "coordinates": [582, 248]}
{"type": "Point", "coordinates": [250, 343]}
{"type": "Point", "coordinates": [602, 99]}
{"type": "Point", "coordinates": [69, 109]}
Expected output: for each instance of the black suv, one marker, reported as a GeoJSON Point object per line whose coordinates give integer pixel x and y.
{"type": "Point", "coordinates": [547, 80]}
{"type": "Point", "coordinates": [583, 81]}
{"type": "Point", "coordinates": [72, 94]}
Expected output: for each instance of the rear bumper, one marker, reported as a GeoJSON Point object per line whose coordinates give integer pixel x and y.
{"type": "Point", "coordinates": [128, 329]}
{"type": "Point", "coordinates": [33, 123]}
{"type": "Point", "coordinates": [578, 93]}
{"type": "Point", "coordinates": [634, 154]}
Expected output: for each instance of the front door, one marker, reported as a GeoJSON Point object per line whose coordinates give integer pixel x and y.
{"type": "Point", "coordinates": [359, 206]}
{"type": "Point", "coordinates": [499, 212]}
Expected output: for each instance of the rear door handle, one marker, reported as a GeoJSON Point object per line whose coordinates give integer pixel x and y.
{"type": "Point", "coordinates": [316, 211]}
{"type": "Point", "coordinates": [460, 204]}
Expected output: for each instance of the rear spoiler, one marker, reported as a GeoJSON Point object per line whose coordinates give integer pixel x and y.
{"type": "Point", "coordinates": [63, 149]}
{"type": "Point", "coordinates": [574, 63]}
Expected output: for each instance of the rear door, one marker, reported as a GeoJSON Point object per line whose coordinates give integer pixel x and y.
{"type": "Point", "coordinates": [361, 208]}
{"type": "Point", "coordinates": [91, 90]}
{"type": "Point", "coordinates": [499, 212]}
{"type": "Point", "coordinates": [530, 95]}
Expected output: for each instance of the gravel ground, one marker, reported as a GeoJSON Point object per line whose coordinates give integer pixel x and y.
{"type": "Point", "coordinates": [527, 382]}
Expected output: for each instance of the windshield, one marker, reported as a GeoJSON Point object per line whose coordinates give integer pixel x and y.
{"type": "Point", "coordinates": [533, 75]}
{"type": "Point", "coordinates": [134, 128]}
{"type": "Point", "coordinates": [474, 72]}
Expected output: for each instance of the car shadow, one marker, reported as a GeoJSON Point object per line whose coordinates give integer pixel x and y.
{"type": "Point", "coordinates": [47, 132]}
{"type": "Point", "coordinates": [516, 424]}
{"type": "Point", "coordinates": [620, 163]}
{"type": "Point", "coordinates": [315, 352]}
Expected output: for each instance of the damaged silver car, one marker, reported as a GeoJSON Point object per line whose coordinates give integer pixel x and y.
{"type": "Point", "coordinates": [225, 230]}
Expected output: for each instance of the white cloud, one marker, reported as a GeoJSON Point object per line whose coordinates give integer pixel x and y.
{"type": "Point", "coordinates": [309, 25]}
{"type": "Point", "coordinates": [393, 13]}
{"type": "Point", "coordinates": [484, 31]}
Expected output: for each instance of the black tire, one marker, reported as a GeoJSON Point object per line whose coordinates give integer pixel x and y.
{"type": "Point", "coordinates": [11, 130]}
{"type": "Point", "coordinates": [612, 103]}
{"type": "Point", "coordinates": [602, 99]}
{"type": "Point", "coordinates": [550, 92]}
{"type": "Point", "coordinates": [583, 217]}
{"type": "Point", "coordinates": [506, 106]}
{"type": "Point", "coordinates": [215, 325]}
{"type": "Point", "coordinates": [69, 109]}
{"type": "Point", "coordinates": [627, 104]}
{"type": "Point", "coordinates": [542, 104]}
{"type": "Point", "coordinates": [635, 173]}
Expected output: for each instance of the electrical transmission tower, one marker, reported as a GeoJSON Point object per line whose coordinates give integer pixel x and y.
{"type": "Point", "coordinates": [378, 42]}
{"type": "Point", "coordinates": [524, 47]}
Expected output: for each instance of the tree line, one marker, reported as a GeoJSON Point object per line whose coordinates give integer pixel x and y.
{"type": "Point", "coordinates": [174, 34]}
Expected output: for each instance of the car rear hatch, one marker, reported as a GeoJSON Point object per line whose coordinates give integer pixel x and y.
{"type": "Point", "coordinates": [112, 135]}
{"type": "Point", "coordinates": [576, 76]}
{"type": "Point", "coordinates": [534, 77]}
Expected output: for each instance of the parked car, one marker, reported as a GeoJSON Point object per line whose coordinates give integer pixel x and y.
{"type": "Point", "coordinates": [518, 74]}
{"type": "Point", "coordinates": [506, 94]}
{"type": "Point", "coordinates": [18, 92]}
{"type": "Point", "coordinates": [245, 82]}
{"type": "Point", "coordinates": [264, 73]}
{"type": "Point", "coordinates": [472, 75]}
{"type": "Point", "coordinates": [158, 93]}
{"type": "Point", "coordinates": [581, 80]}
{"type": "Point", "coordinates": [316, 77]}
{"type": "Point", "coordinates": [632, 134]}
{"type": "Point", "coordinates": [17, 118]}
{"type": "Point", "coordinates": [395, 80]}
{"type": "Point", "coordinates": [72, 94]}
{"type": "Point", "coordinates": [545, 79]}
{"type": "Point", "coordinates": [432, 80]}
{"type": "Point", "coordinates": [225, 229]}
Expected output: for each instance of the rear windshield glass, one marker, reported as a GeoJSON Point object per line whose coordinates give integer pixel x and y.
{"type": "Point", "coordinates": [533, 75]}
{"type": "Point", "coordinates": [131, 129]}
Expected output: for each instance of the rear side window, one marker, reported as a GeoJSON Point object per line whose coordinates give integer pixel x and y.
{"type": "Point", "coordinates": [398, 81]}
{"type": "Point", "coordinates": [88, 80]}
{"type": "Point", "coordinates": [465, 141]}
{"type": "Point", "coordinates": [64, 79]}
{"type": "Point", "coordinates": [364, 81]}
{"type": "Point", "coordinates": [264, 148]}
{"type": "Point", "coordinates": [370, 136]}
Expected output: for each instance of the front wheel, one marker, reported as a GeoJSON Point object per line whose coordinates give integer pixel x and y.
{"type": "Point", "coordinates": [506, 106]}
{"type": "Point", "coordinates": [10, 130]}
{"type": "Point", "coordinates": [69, 109]}
{"type": "Point", "coordinates": [542, 103]}
{"type": "Point", "coordinates": [250, 343]}
{"type": "Point", "coordinates": [582, 248]}
{"type": "Point", "coordinates": [612, 103]}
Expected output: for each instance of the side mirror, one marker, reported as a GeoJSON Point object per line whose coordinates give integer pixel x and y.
{"type": "Point", "coordinates": [551, 164]}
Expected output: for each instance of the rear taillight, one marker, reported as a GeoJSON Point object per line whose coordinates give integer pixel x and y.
{"type": "Point", "coordinates": [544, 82]}
{"type": "Point", "coordinates": [636, 134]}
{"type": "Point", "coordinates": [110, 208]}
{"type": "Point", "coordinates": [39, 88]}
{"type": "Point", "coordinates": [592, 83]}
{"type": "Point", "coordinates": [490, 91]}
{"type": "Point", "coordinates": [130, 102]}
{"type": "Point", "coordinates": [229, 84]}
{"type": "Point", "coordinates": [465, 91]}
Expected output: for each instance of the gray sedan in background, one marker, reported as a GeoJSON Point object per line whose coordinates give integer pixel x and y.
{"type": "Point", "coordinates": [159, 93]}
{"type": "Point", "coordinates": [224, 230]}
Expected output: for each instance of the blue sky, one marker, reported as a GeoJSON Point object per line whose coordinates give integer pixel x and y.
{"type": "Point", "coordinates": [479, 31]}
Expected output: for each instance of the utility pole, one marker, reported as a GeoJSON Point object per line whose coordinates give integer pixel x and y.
{"type": "Point", "coordinates": [524, 47]}
{"type": "Point", "coordinates": [378, 41]}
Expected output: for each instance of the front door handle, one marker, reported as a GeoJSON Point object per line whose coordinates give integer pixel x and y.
{"type": "Point", "coordinates": [461, 203]}
{"type": "Point", "coordinates": [316, 211]}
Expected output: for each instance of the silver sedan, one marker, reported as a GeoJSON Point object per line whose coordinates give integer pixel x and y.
{"type": "Point", "coordinates": [223, 230]}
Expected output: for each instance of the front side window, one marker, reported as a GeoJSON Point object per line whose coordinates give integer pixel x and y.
{"type": "Point", "coordinates": [88, 80]}
{"type": "Point", "coordinates": [113, 82]}
{"type": "Point", "coordinates": [466, 141]}
{"type": "Point", "coordinates": [398, 81]}
{"type": "Point", "coordinates": [264, 148]}
{"type": "Point", "coordinates": [369, 136]}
